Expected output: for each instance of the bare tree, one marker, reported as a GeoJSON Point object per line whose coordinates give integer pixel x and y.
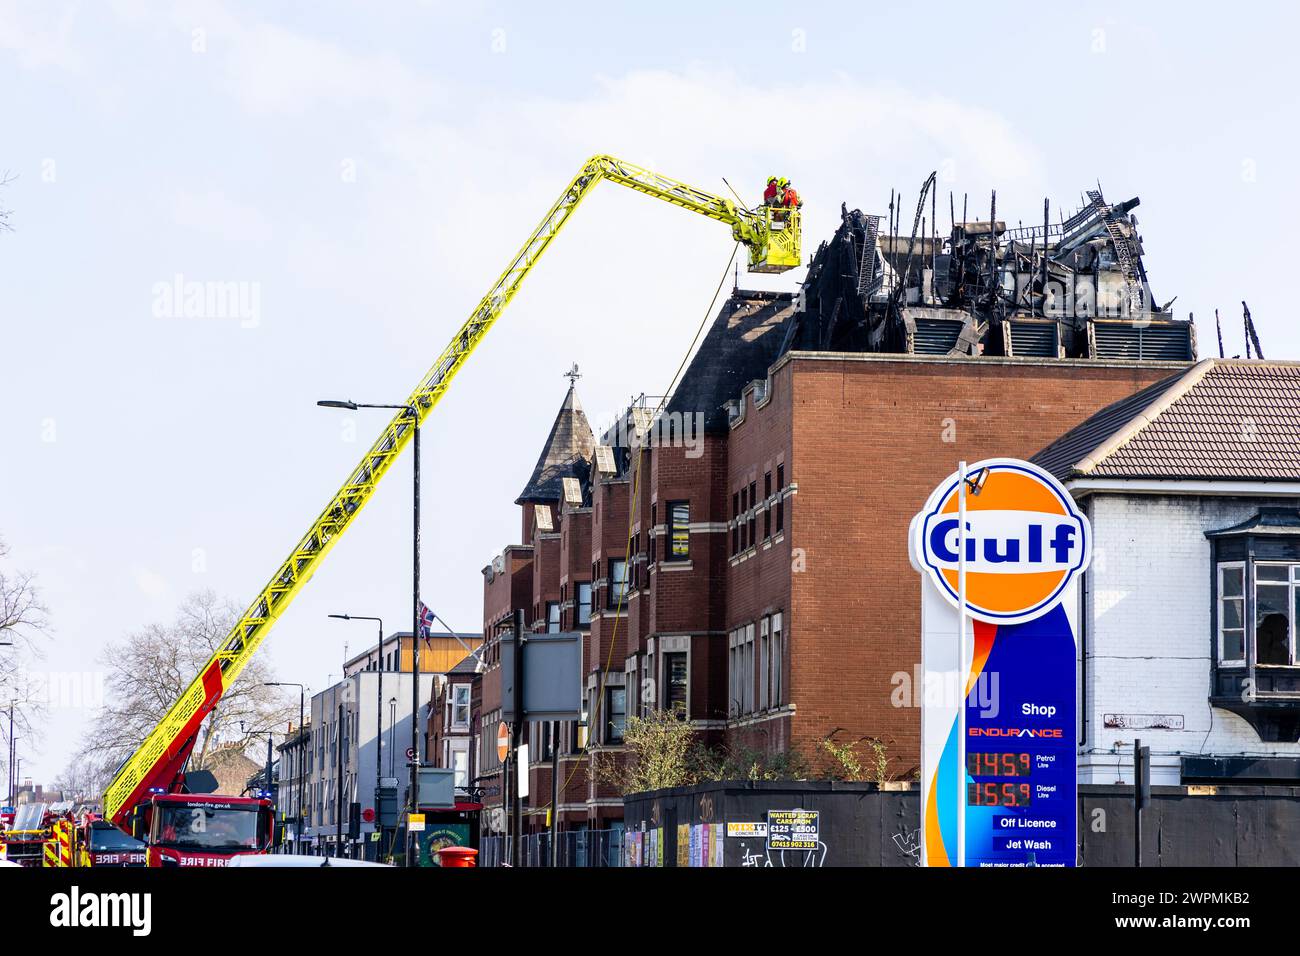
{"type": "Point", "coordinates": [5, 225]}
{"type": "Point", "coordinates": [149, 669]}
{"type": "Point", "coordinates": [23, 621]}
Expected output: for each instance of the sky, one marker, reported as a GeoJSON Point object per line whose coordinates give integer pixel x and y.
{"type": "Point", "coordinates": [360, 173]}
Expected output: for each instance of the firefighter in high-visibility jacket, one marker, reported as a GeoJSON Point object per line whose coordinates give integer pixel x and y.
{"type": "Point", "coordinates": [790, 196]}
{"type": "Point", "coordinates": [772, 194]}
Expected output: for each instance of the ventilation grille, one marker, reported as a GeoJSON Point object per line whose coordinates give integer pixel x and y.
{"type": "Point", "coordinates": [936, 336]}
{"type": "Point", "coordinates": [1155, 343]}
{"type": "Point", "coordinates": [1037, 339]}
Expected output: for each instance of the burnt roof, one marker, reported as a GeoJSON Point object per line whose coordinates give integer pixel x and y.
{"type": "Point", "coordinates": [1223, 419]}
{"type": "Point", "coordinates": [566, 454]}
{"type": "Point", "coordinates": [741, 344]}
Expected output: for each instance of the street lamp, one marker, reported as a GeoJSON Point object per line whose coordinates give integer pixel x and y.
{"type": "Point", "coordinates": [379, 703]}
{"type": "Point", "coordinates": [392, 727]}
{"type": "Point", "coordinates": [259, 733]}
{"type": "Point", "coordinates": [413, 412]}
{"type": "Point", "coordinates": [302, 693]}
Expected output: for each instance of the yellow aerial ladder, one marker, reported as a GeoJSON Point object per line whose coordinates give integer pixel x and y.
{"type": "Point", "coordinates": [772, 236]}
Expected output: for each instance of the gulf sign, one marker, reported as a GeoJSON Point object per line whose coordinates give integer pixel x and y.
{"type": "Point", "coordinates": [1025, 540]}
{"type": "Point", "coordinates": [999, 706]}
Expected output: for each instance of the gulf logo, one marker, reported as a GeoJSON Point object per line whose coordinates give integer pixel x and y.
{"type": "Point", "coordinates": [1025, 540]}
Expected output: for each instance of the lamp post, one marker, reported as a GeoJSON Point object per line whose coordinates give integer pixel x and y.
{"type": "Point", "coordinates": [267, 791]}
{"type": "Point", "coordinates": [415, 607]}
{"type": "Point", "coordinates": [379, 701]}
{"type": "Point", "coordinates": [392, 727]}
{"type": "Point", "coordinates": [298, 766]}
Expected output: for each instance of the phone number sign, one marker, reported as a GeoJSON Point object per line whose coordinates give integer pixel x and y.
{"type": "Point", "coordinates": [793, 829]}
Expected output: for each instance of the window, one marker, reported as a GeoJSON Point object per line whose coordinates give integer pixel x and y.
{"type": "Point", "coordinates": [1232, 601]}
{"type": "Point", "coordinates": [584, 602]}
{"type": "Point", "coordinates": [1277, 600]}
{"type": "Point", "coordinates": [740, 670]}
{"type": "Point", "coordinates": [778, 647]}
{"type": "Point", "coordinates": [615, 714]}
{"type": "Point", "coordinates": [735, 523]}
{"type": "Point", "coordinates": [767, 511]}
{"type": "Point", "coordinates": [617, 582]}
{"type": "Point", "coordinates": [753, 503]}
{"type": "Point", "coordinates": [460, 764]}
{"type": "Point", "coordinates": [552, 617]}
{"type": "Point", "coordinates": [780, 498]}
{"type": "Point", "coordinates": [679, 531]}
{"type": "Point", "coordinates": [744, 506]}
{"type": "Point", "coordinates": [460, 707]}
{"type": "Point", "coordinates": [764, 659]}
{"type": "Point", "coordinates": [675, 682]}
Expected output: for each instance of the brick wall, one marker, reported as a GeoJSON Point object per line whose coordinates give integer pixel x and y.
{"type": "Point", "coordinates": [869, 438]}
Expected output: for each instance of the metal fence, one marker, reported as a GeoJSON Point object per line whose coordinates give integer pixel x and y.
{"type": "Point", "coordinates": [576, 848]}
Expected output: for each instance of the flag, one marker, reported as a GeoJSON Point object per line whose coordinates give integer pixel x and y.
{"type": "Point", "coordinates": [426, 620]}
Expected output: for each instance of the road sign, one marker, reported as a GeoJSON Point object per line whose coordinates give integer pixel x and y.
{"type": "Point", "coordinates": [415, 822]}
{"type": "Point", "coordinates": [410, 753]}
{"type": "Point", "coordinates": [368, 814]}
{"type": "Point", "coordinates": [1004, 548]}
{"type": "Point", "coordinates": [503, 741]}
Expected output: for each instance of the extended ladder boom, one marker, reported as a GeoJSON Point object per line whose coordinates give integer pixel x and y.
{"type": "Point", "coordinates": [772, 237]}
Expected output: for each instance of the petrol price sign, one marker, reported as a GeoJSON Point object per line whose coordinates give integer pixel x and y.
{"type": "Point", "coordinates": [1000, 547]}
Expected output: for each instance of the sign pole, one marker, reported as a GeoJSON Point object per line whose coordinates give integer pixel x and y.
{"type": "Point", "coordinates": [962, 669]}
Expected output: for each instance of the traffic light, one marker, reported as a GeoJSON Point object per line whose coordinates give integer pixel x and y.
{"type": "Point", "coordinates": [354, 821]}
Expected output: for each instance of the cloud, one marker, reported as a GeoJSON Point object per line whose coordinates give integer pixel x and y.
{"type": "Point", "coordinates": [216, 214]}
{"type": "Point", "coordinates": [151, 585]}
{"type": "Point", "coordinates": [38, 46]}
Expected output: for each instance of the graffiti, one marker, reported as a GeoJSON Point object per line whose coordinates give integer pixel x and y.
{"type": "Point", "coordinates": [750, 859]}
{"type": "Point", "coordinates": [706, 808]}
{"type": "Point", "coordinates": [784, 858]}
{"type": "Point", "coordinates": [909, 843]}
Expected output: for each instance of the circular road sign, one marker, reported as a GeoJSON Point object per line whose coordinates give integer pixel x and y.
{"type": "Point", "coordinates": [503, 741]}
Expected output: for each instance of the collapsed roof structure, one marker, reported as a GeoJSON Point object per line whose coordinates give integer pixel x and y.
{"type": "Point", "coordinates": [1073, 288]}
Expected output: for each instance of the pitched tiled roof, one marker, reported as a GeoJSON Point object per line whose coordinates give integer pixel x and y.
{"type": "Point", "coordinates": [743, 341]}
{"type": "Point", "coordinates": [566, 454]}
{"type": "Point", "coordinates": [1223, 419]}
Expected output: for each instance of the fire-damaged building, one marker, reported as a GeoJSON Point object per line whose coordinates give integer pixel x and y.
{"type": "Point", "coordinates": [735, 552]}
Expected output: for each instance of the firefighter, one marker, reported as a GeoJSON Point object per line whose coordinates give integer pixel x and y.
{"type": "Point", "coordinates": [772, 194]}
{"type": "Point", "coordinates": [789, 195]}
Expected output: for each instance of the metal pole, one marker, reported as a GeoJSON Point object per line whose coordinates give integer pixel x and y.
{"type": "Point", "coordinates": [338, 801]}
{"type": "Point", "coordinates": [379, 738]}
{"type": "Point", "coordinates": [555, 792]}
{"type": "Point", "coordinates": [415, 646]}
{"type": "Point", "coordinates": [301, 762]}
{"type": "Point", "coordinates": [1137, 802]}
{"type": "Point", "coordinates": [516, 733]}
{"type": "Point", "coordinates": [961, 664]}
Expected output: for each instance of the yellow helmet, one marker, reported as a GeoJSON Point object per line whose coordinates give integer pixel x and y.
{"type": "Point", "coordinates": [771, 179]}
{"type": "Point", "coordinates": [783, 182]}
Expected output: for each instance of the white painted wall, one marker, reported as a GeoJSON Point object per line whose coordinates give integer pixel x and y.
{"type": "Point", "coordinates": [1148, 612]}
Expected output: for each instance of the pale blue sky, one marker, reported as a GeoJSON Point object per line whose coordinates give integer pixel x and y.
{"type": "Point", "coordinates": [368, 168]}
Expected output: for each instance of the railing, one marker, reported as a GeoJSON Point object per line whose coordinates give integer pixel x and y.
{"type": "Point", "coordinates": [577, 848]}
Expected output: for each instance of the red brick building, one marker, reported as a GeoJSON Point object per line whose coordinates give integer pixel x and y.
{"type": "Point", "coordinates": [741, 559]}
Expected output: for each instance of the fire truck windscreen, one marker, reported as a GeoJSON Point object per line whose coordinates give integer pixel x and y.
{"type": "Point", "coordinates": [208, 827]}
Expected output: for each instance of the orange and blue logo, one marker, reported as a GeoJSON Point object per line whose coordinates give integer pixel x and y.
{"type": "Point", "coordinates": [1025, 540]}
